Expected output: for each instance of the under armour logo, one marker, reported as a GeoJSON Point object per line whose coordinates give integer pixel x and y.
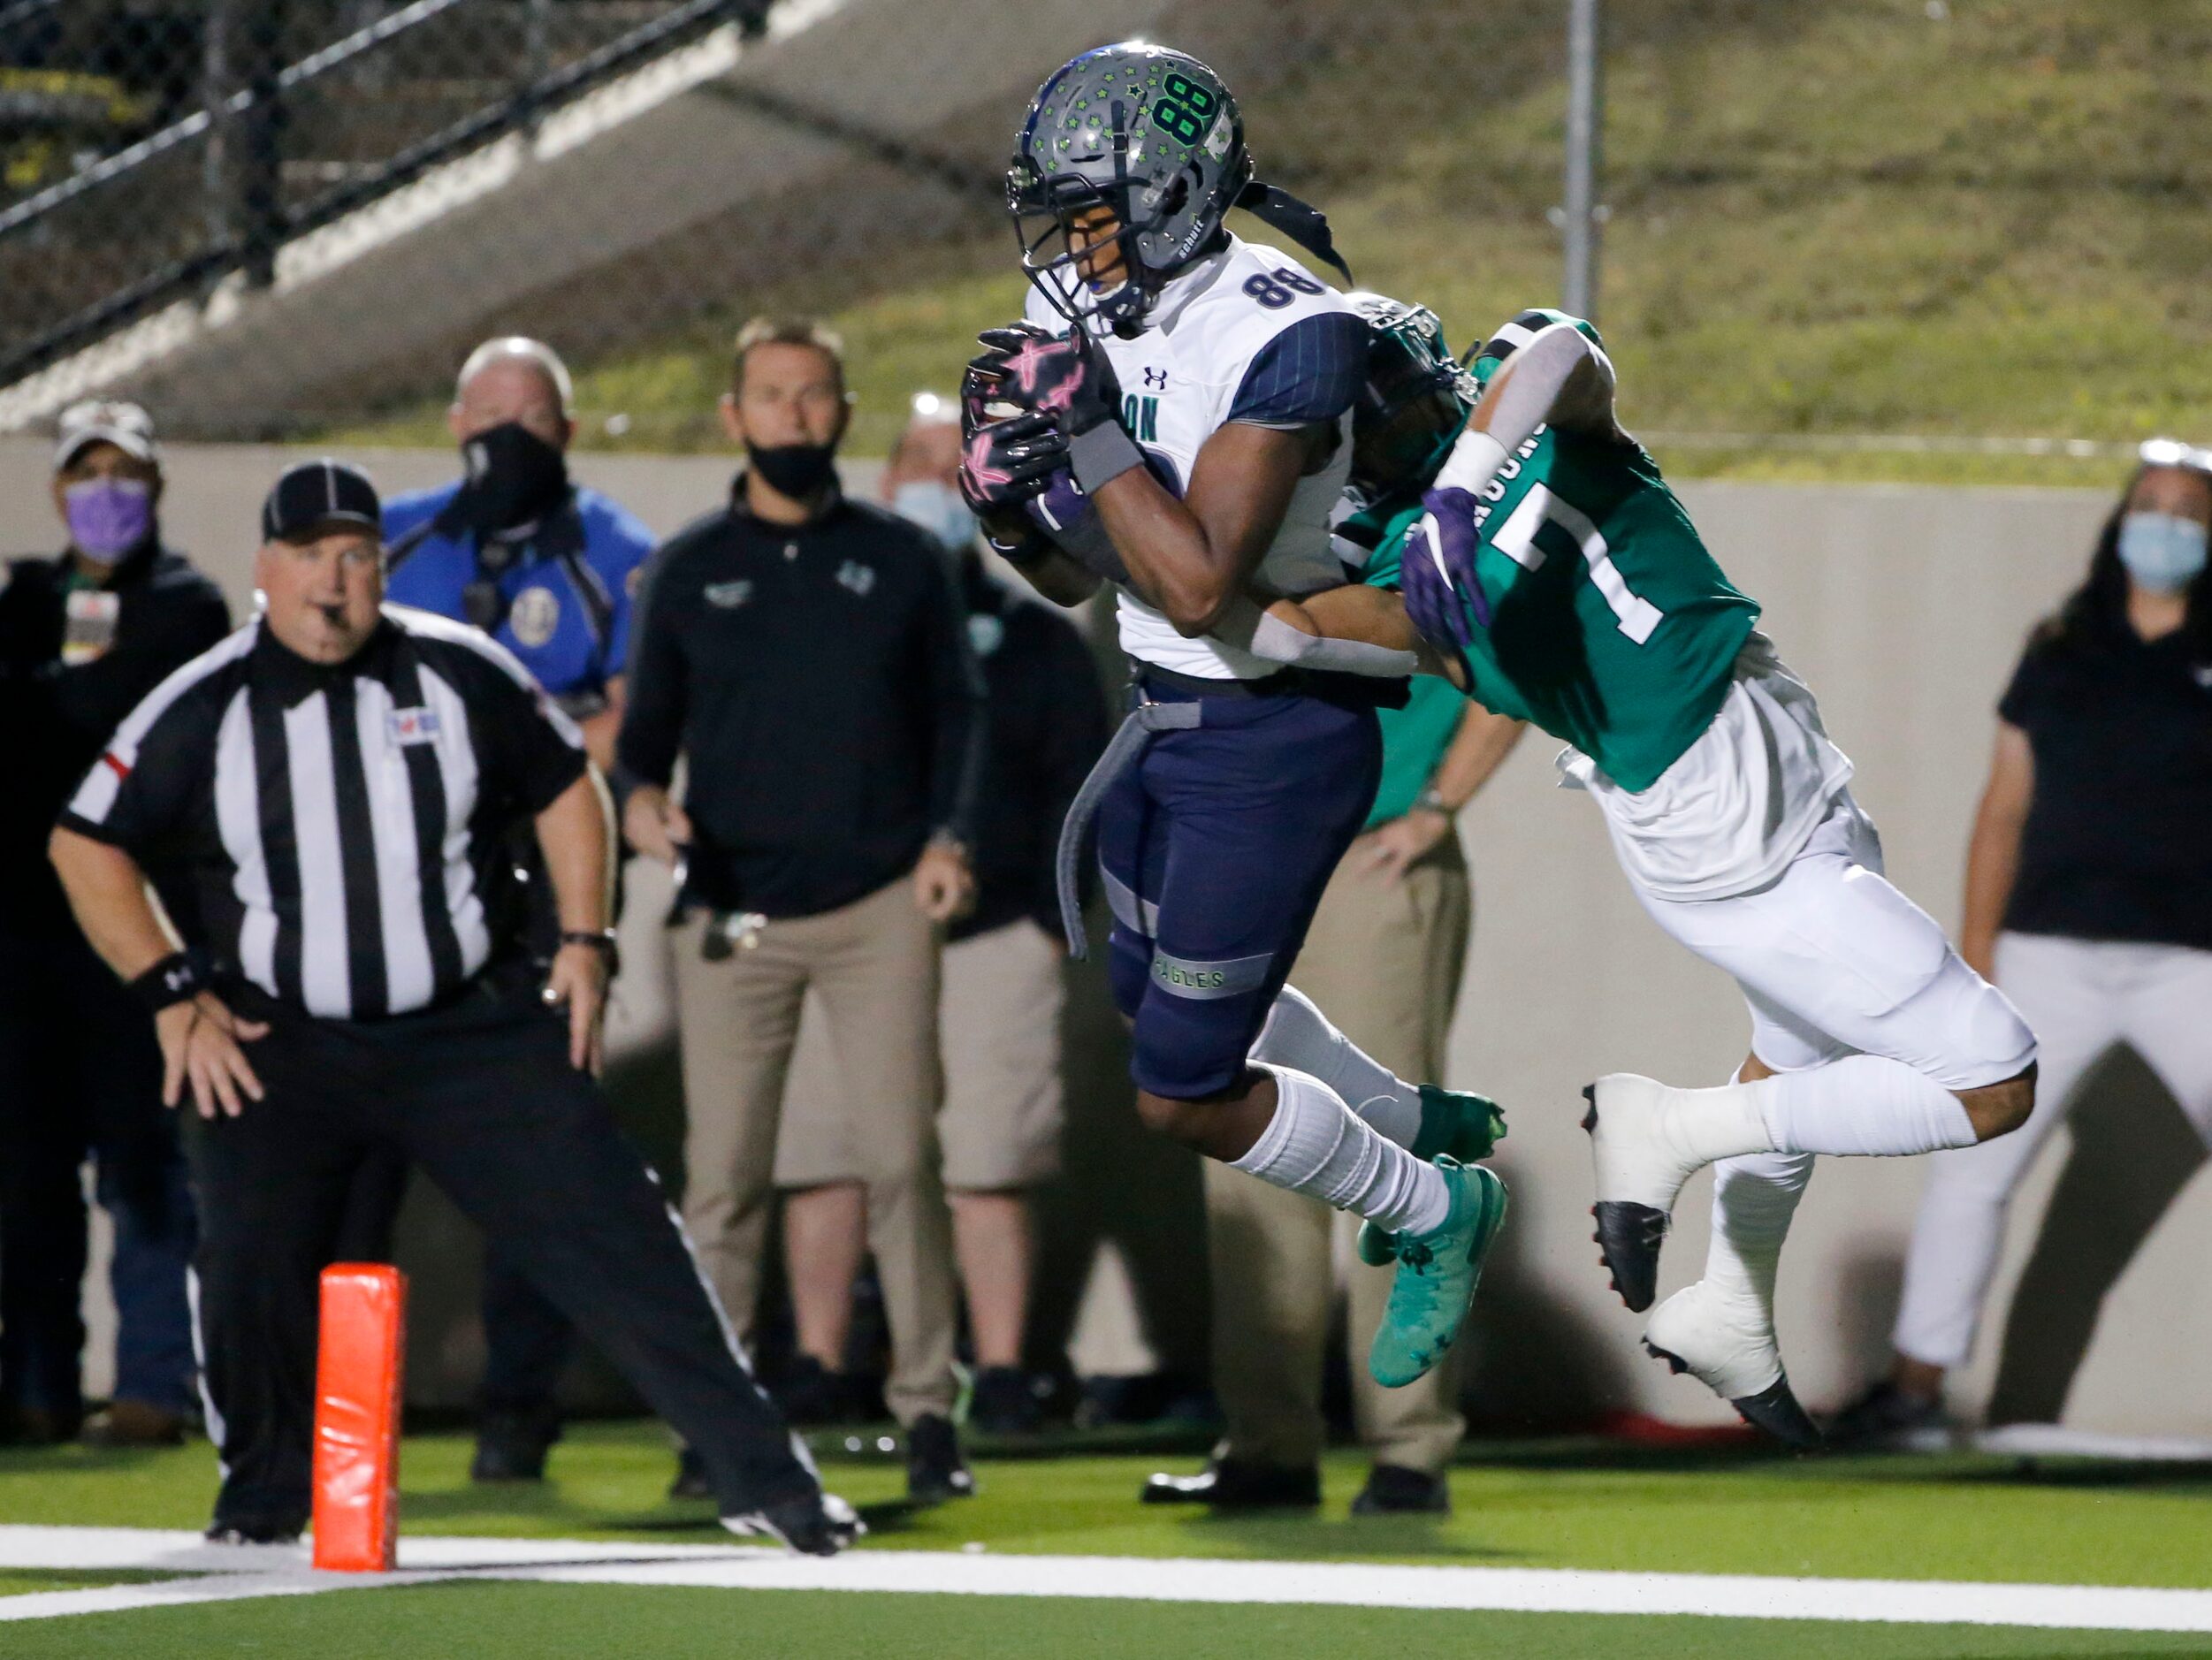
{"type": "Point", "coordinates": [859, 577]}
{"type": "Point", "coordinates": [1157, 385]}
{"type": "Point", "coordinates": [176, 978]}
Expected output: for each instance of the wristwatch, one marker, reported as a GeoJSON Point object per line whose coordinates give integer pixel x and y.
{"type": "Point", "coordinates": [600, 939]}
{"type": "Point", "coordinates": [1432, 800]}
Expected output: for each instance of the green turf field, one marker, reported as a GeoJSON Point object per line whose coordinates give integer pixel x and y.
{"type": "Point", "coordinates": [1519, 1504]}
{"type": "Point", "coordinates": [552, 1622]}
{"type": "Point", "coordinates": [1530, 1505]}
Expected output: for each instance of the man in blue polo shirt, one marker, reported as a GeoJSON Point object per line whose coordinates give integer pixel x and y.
{"type": "Point", "coordinates": [544, 566]}
{"type": "Point", "coordinates": [548, 568]}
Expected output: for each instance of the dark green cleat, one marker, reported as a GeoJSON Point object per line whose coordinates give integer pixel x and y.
{"type": "Point", "coordinates": [1437, 1272]}
{"type": "Point", "coordinates": [1458, 1124]}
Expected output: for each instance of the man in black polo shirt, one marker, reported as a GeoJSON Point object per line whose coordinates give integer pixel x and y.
{"type": "Point", "coordinates": [999, 1025]}
{"type": "Point", "coordinates": [327, 795]}
{"type": "Point", "coordinates": [83, 637]}
{"type": "Point", "coordinates": [805, 654]}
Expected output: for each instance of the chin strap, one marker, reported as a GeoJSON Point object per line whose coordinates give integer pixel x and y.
{"type": "Point", "coordinates": [1304, 225]}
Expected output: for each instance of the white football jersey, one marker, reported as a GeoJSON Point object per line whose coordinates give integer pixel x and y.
{"type": "Point", "coordinates": [1179, 381]}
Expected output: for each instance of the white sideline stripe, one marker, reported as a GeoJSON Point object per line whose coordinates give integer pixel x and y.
{"type": "Point", "coordinates": [1377, 1585]}
{"type": "Point", "coordinates": [2057, 1441]}
{"type": "Point", "coordinates": [184, 1551]}
{"type": "Point", "coordinates": [222, 1587]}
{"type": "Point", "coordinates": [277, 1572]}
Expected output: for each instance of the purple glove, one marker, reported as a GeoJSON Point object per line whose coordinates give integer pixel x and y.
{"type": "Point", "coordinates": [1437, 572]}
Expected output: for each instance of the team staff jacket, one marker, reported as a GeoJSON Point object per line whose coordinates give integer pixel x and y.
{"type": "Point", "coordinates": [567, 599]}
{"type": "Point", "coordinates": [74, 659]}
{"type": "Point", "coordinates": [817, 679]}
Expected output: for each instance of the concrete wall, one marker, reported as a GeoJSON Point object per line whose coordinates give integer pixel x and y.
{"type": "Point", "coordinates": [1904, 608]}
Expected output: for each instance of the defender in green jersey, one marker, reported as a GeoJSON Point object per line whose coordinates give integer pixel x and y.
{"type": "Point", "coordinates": [1558, 578]}
{"type": "Point", "coordinates": [1610, 625]}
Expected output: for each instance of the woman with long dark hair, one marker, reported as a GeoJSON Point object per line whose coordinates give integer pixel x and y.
{"type": "Point", "coordinates": [2089, 890]}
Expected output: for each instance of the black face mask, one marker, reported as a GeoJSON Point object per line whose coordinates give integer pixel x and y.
{"type": "Point", "coordinates": [515, 478]}
{"type": "Point", "coordinates": [797, 470]}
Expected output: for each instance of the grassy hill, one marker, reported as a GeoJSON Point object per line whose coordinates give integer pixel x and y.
{"type": "Point", "coordinates": [1940, 218]}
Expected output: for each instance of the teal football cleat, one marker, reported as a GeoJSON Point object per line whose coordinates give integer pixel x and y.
{"type": "Point", "coordinates": [1437, 1272]}
{"type": "Point", "coordinates": [1458, 1123]}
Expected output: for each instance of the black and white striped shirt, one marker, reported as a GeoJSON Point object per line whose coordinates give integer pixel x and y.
{"type": "Point", "coordinates": [336, 834]}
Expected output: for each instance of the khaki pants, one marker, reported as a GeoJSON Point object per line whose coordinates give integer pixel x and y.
{"type": "Point", "coordinates": [874, 966]}
{"type": "Point", "coordinates": [1382, 960]}
{"type": "Point", "coordinates": [998, 1028]}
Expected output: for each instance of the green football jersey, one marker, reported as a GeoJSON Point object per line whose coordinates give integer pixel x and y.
{"type": "Point", "coordinates": [1611, 626]}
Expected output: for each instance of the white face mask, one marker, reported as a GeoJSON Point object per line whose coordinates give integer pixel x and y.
{"type": "Point", "coordinates": [937, 508]}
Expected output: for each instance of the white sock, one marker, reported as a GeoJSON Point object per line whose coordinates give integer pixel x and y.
{"type": "Point", "coordinates": [1297, 1034]}
{"type": "Point", "coordinates": [1861, 1106]}
{"type": "Point", "coordinates": [1754, 1196]}
{"type": "Point", "coordinates": [1317, 1146]}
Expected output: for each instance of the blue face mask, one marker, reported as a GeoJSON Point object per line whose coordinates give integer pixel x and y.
{"type": "Point", "coordinates": [937, 508]}
{"type": "Point", "coordinates": [2161, 551]}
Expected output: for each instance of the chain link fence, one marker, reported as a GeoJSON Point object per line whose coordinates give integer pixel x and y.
{"type": "Point", "coordinates": [153, 151]}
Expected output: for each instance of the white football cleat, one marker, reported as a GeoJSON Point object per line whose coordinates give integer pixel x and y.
{"type": "Point", "coordinates": [1640, 1171]}
{"type": "Point", "coordinates": [1727, 1345]}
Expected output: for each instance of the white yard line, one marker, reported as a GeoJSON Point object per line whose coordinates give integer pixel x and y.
{"type": "Point", "coordinates": [233, 1574]}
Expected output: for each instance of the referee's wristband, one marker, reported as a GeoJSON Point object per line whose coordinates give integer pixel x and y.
{"type": "Point", "coordinates": [178, 977]}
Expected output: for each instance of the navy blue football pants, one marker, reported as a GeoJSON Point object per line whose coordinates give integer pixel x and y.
{"type": "Point", "coordinates": [1216, 847]}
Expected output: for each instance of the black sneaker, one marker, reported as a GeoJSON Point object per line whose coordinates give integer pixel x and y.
{"type": "Point", "coordinates": [811, 1395]}
{"type": "Point", "coordinates": [1887, 1419]}
{"type": "Point", "coordinates": [512, 1446]}
{"type": "Point", "coordinates": [691, 1477]}
{"type": "Point", "coordinates": [815, 1524]}
{"type": "Point", "coordinates": [1233, 1484]}
{"type": "Point", "coordinates": [1003, 1403]}
{"type": "Point", "coordinates": [1394, 1488]}
{"type": "Point", "coordinates": [935, 1470]}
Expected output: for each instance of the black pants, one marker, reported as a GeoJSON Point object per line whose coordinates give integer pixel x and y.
{"type": "Point", "coordinates": [480, 1096]}
{"type": "Point", "coordinates": [528, 1341]}
{"type": "Point", "coordinates": [80, 1077]}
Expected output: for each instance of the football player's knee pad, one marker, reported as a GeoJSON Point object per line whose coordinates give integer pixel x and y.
{"type": "Point", "coordinates": [1983, 1041]}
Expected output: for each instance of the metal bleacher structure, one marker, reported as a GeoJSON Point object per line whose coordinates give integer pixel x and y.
{"type": "Point", "coordinates": [323, 200]}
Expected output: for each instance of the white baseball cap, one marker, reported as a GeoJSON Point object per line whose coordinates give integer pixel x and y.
{"type": "Point", "coordinates": [105, 421]}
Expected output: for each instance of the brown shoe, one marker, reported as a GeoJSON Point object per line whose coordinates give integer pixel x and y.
{"type": "Point", "coordinates": [134, 1423]}
{"type": "Point", "coordinates": [35, 1427]}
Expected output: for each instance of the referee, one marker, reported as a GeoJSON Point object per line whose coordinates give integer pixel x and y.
{"type": "Point", "coordinates": [323, 800]}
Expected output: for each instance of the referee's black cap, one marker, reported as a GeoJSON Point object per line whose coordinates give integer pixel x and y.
{"type": "Point", "coordinates": [316, 494]}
